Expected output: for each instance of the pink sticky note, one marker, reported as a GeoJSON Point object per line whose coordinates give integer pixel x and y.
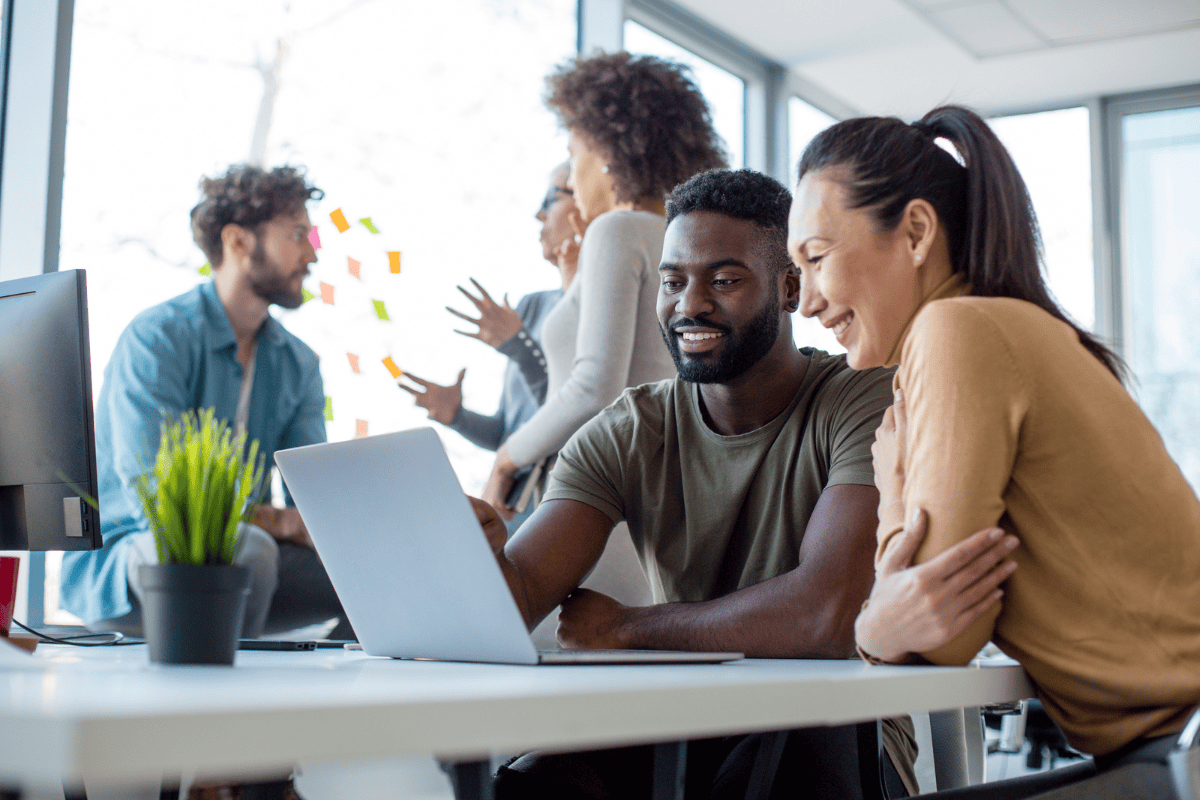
{"type": "Point", "coordinates": [360, 427]}
{"type": "Point", "coordinates": [315, 238]}
{"type": "Point", "coordinates": [354, 267]}
{"type": "Point", "coordinates": [353, 362]}
{"type": "Point", "coordinates": [326, 293]}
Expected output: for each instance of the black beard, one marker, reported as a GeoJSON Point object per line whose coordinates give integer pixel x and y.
{"type": "Point", "coordinates": [266, 282]}
{"type": "Point", "coordinates": [741, 351]}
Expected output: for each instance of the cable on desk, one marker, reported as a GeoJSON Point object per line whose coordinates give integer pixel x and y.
{"type": "Point", "coordinates": [116, 638]}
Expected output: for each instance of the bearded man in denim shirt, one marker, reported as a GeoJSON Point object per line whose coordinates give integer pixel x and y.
{"type": "Point", "coordinates": [216, 347]}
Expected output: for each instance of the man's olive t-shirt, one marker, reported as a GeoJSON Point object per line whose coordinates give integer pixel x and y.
{"type": "Point", "coordinates": [711, 514]}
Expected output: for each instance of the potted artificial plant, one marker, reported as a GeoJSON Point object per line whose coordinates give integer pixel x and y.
{"type": "Point", "coordinates": [202, 485]}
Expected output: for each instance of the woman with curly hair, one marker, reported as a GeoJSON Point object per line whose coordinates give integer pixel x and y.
{"type": "Point", "coordinates": [637, 127]}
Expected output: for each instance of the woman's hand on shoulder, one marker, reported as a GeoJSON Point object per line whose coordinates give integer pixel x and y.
{"type": "Point", "coordinates": [915, 609]}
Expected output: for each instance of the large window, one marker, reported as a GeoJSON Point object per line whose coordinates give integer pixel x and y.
{"type": "Point", "coordinates": [425, 118]}
{"type": "Point", "coordinates": [724, 91]}
{"type": "Point", "coordinates": [1160, 265]}
{"type": "Point", "coordinates": [1053, 153]}
{"type": "Point", "coordinates": [805, 122]}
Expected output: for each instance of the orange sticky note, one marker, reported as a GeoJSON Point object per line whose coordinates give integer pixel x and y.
{"type": "Point", "coordinates": [391, 367]}
{"type": "Point", "coordinates": [339, 219]}
{"type": "Point", "coordinates": [354, 268]}
{"type": "Point", "coordinates": [353, 362]}
{"type": "Point", "coordinates": [326, 293]}
{"type": "Point", "coordinates": [360, 427]}
{"type": "Point", "coordinates": [394, 257]}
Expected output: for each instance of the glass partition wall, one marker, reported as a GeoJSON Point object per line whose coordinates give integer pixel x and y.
{"type": "Point", "coordinates": [1154, 144]}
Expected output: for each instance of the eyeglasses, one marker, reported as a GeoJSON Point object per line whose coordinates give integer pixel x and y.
{"type": "Point", "coordinates": [552, 197]}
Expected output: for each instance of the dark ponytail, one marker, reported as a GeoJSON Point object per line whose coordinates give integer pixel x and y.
{"type": "Point", "coordinates": [983, 204]}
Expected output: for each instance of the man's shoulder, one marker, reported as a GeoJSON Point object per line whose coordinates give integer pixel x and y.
{"type": "Point", "coordinates": [304, 355]}
{"type": "Point", "coordinates": [637, 413]}
{"type": "Point", "coordinates": [837, 383]}
{"type": "Point", "coordinates": [175, 320]}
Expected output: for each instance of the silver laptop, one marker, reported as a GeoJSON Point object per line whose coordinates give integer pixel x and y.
{"type": "Point", "coordinates": [408, 560]}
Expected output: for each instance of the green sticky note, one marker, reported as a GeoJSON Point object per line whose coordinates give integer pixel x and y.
{"type": "Point", "coordinates": [381, 310]}
{"type": "Point", "coordinates": [206, 270]}
{"type": "Point", "coordinates": [305, 295]}
{"type": "Point", "coordinates": [329, 409]}
{"type": "Point", "coordinates": [366, 221]}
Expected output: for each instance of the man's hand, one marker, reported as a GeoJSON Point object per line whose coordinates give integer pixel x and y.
{"type": "Point", "coordinates": [887, 454]}
{"type": "Point", "coordinates": [284, 524]}
{"type": "Point", "coordinates": [593, 621]}
{"type": "Point", "coordinates": [916, 609]}
{"type": "Point", "coordinates": [500, 483]}
{"type": "Point", "coordinates": [442, 402]}
{"type": "Point", "coordinates": [497, 323]}
{"type": "Point", "coordinates": [490, 522]}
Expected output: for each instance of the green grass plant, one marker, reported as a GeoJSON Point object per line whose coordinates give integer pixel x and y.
{"type": "Point", "coordinates": [203, 483]}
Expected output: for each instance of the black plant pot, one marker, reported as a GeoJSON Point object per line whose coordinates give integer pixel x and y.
{"type": "Point", "coordinates": [193, 614]}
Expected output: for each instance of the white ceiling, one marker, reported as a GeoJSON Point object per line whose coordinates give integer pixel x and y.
{"type": "Point", "coordinates": [906, 56]}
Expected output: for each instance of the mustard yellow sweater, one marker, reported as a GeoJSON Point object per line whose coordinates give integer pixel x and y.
{"type": "Point", "coordinates": [1012, 422]}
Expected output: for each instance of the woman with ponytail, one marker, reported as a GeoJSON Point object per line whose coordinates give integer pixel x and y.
{"type": "Point", "coordinates": [918, 246]}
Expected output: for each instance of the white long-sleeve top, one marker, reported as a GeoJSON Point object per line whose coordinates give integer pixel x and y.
{"type": "Point", "coordinates": [603, 335]}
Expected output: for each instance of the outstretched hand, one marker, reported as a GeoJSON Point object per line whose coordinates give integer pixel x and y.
{"type": "Point", "coordinates": [917, 609]}
{"type": "Point", "coordinates": [497, 323]}
{"type": "Point", "coordinates": [442, 402]}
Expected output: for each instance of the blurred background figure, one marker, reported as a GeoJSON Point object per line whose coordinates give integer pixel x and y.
{"type": "Point", "coordinates": [637, 126]}
{"type": "Point", "coordinates": [514, 332]}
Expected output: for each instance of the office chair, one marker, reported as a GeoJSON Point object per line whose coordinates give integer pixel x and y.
{"type": "Point", "coordinates": [1175, 775]}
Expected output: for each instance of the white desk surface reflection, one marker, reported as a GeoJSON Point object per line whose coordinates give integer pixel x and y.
{"type": "Point", "coordinates": [107, 714]}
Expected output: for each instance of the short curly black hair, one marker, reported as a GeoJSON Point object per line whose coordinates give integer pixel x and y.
{"type": "Point", "coordinates": [246, 196]}
{"type": "Point", "coordinates": [644, 113]}
{"type": "Point", "coordinates": [741, 194]}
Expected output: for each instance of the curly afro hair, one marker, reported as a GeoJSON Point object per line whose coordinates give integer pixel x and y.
{"type": "Point", "coordinates": [741, 194]}
{"type": "Point", "coordinates": [246, 196]}
{"type": "Point", "coordinates": [644, 113]}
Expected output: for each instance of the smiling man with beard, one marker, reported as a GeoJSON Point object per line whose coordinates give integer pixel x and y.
{"type": "Point", "coordinates": [216, 347]}
{"type": "Point", "coordinates": [748, 489]}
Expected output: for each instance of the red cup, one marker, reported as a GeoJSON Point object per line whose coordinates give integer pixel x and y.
{"type": "Point", "coordinates": [8, 591]}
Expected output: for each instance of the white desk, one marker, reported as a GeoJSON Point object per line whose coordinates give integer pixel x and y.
{"type": "Point", "coordinates": [107, 715]}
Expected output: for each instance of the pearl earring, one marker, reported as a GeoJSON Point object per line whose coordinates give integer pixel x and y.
{"type": "Point", "coordinates": [604, 169]}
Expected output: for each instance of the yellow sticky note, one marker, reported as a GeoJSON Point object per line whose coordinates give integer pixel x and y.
{"type": "Point", "coordinates": [206, 270]}
{"type": "Point", "coordinates": [392, 368]}
{"type": "Point", "coordinates": [328, 409]}
{"type": "Point", "coordinates": [360, 427]}
{"type": "Point", "coordinates": [381, 310]}
{"type": "Point", "coordinates": [353, 362]}
{"type": "Point", "coordinates": [366, 221]}
{"type": "Point", "coordinates": [306, 295]}
{"type": "Point", "coordinates": [394, 258]}
{"type": "Point", "coordinates": [339, 220]}
{"type": "Point", "coordinates": [326, 293]}
{"type": "Point", "coordinates": [354, 267]}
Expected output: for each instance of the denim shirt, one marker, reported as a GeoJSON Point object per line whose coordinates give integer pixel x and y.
{"type": "Point", "coordinates": [176, 356]}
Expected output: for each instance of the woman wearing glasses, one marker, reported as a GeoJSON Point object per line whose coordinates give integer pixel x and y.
{"type": "Point", "coordinates": [515, 333]}
{"type": "Point", "coordinates": [637, 127]}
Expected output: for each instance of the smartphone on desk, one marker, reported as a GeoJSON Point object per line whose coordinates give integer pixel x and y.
{"type": "Point", "coordinates": [276, 644]}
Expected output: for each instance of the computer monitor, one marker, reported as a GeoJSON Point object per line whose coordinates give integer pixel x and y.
{"type": "Point", "coordinates": [47, 439]}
